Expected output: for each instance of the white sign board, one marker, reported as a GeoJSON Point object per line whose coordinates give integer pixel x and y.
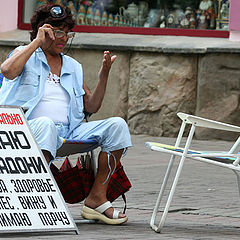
{"type": "Point", "coordinates": [29, 196]}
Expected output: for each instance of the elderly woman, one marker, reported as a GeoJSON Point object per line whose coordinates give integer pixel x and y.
{"type": "Point", "coordinates": [50, 84]}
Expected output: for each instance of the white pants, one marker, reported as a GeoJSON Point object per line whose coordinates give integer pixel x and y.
{"type": "Point", "coordinates": [111, 134]}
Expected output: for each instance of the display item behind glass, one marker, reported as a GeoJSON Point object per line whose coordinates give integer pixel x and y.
{"type": "Point", "coordinates": [187, 14]}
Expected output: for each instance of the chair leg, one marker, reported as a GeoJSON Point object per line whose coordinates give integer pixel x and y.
{"type": "Point", "coordinates": [161, 192]}
{"type": "Point", "coordinates": [166, 177]}
{"type": "Point", "coordinates": [93, 162]}
{"type": "Point", "coordinates": [179, 170]}
{"type": "Point", "coordinates": [238, 181]}
{"type": "Point", "coordinates": [165, 180]}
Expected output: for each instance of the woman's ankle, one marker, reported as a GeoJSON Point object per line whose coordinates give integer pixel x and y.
{"type": "Point", "coordinates": [94, 201]}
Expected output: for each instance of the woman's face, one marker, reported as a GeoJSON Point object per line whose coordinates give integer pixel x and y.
{"type": "Point", "coordinates": [61, 39]}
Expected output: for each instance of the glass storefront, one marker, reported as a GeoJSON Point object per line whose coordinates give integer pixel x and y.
{"type": "Point", "coordinates": [173, 14]}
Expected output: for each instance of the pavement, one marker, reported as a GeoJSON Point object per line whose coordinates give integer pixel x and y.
{"type": "Point", "coordinates": [205, 204]}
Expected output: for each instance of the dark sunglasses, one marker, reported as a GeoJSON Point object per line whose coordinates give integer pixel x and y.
{"type": "Point", "coordinates": [57, 12]}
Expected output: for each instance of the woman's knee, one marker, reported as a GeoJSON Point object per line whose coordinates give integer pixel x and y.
{"type": "Point", "coordinates": [117, 135]}
{"type": "Point", "coordinates": [119, 123]}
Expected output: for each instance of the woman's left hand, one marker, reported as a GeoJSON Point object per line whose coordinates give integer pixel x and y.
{"type": "Point", "coordinates": [107, 62]}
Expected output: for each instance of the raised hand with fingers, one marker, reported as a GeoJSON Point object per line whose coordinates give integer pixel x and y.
{"type": "Point", "coordinates": [107, 62]}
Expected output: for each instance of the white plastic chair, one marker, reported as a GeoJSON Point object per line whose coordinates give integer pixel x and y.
{"type": "Point", "coordinates": [229, 160]}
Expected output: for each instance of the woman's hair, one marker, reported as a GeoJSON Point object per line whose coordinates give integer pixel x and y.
{"type": "Point", "coordinates": [43, 15]}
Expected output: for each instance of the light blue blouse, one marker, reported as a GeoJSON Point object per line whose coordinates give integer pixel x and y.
{"type": "Point", "coordinates": [27, 89]}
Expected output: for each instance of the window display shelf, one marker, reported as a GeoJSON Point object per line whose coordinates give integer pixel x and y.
{"type": "Point", "coordinates": [136, 17]}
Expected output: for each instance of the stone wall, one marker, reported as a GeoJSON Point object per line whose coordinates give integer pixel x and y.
{"type": "Point", "coordinates": [4, 51]}
{"type": "Point", "coordinates": [218, 92]}
{"type": "Point", "coordinates": [149, 89]}
{"type": "Point", "coordinates": [160, 86]}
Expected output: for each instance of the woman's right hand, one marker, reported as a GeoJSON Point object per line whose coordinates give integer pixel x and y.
{"type": "Point", "coordinates": [13, 66]}
{"type": "Point", "coordinates": [45, 35]}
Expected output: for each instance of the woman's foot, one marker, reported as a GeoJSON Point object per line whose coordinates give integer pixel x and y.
{"type": "Point", "coordinates": [99, 213]}
{"type": "Point", "coordinates": [108, 212]}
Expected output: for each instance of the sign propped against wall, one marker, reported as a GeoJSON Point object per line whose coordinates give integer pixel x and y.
{"type": "Point", "coordinates": [29, 196]}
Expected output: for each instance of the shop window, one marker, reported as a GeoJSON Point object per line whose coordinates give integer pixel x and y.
{"type": "Point", "coordinates": [166, 17]}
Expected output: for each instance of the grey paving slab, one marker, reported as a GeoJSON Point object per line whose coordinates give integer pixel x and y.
{"type": "Point", "coordinates": [205, 205]}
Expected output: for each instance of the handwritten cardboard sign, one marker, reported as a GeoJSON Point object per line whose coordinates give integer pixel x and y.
{"type": "Point", "coordinates": [29, 197]}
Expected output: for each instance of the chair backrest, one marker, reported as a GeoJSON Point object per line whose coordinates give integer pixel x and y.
{"type": "Point", "coordinates": [207, 123]}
